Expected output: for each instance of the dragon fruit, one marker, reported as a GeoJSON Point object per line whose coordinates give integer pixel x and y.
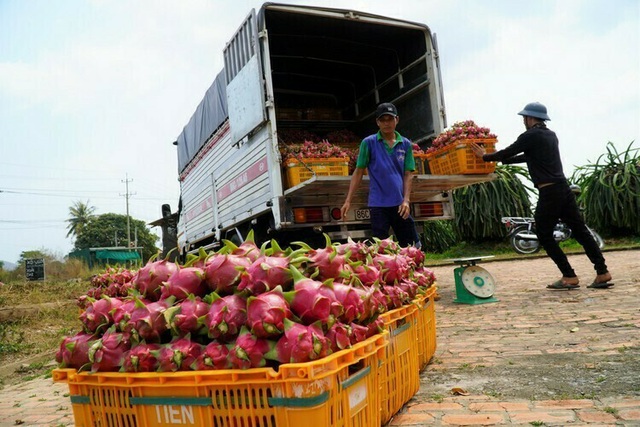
{"type": "Point", "coordinates": [394, 268]}
{"type": "Point", "coordinates": [358, 251]}
{"type": "Point", "coordinates": [148, 280]}
{"type": "Point", "coordinates": [74, 351]}
{"type": "Point", "coordinates": [339, 336]}
{"type": "Point", "coordinates": [396, 297]}
{"type": "Point", "coordinates": [248, 248]}
{"type": "Point", "coordinates": [352, 301]}
{"type": "Point", "coordinates": [107, 353]}
{"type": "Point", "coordinates": [266, 313]}
{"type": "Point", "coordinates": [248, 351]}
{"type": "Point", "coordinates": [98, 315]}
{"type": "Point", "coordinates": [226, 316]}
{"type": "Point", "coordinates": [313, 301]}
{"type": "Point", "coordinates": [386, 246]}
{"type": "Point", "coordinates": [358, 333]}
{"type": "Point", "coordinates": [265, 273]}
{"type": "Point", "coordinates": [415, 255]}
{"type": "Point", "coordinates": [423, 277]}
{"type": "Point", "coordinates": [122, 313]}
{"type": "Point", "coordinates": [183, 318]}
{"type": "Point", "coordinates": [325, 263]}
{"type": "Point", "coordinates": [375, 327]}
{"type": "Point", "coordinates": [141, 358]}
{"type": "Point", "coordinates": [222, 272]}
{"type": "Point", "coordinates": [368, 273]}
{"type": "Point", "coordinates": [300, 343]}
{"type": "Point", "coordinates": [183, 282]}
{"type": "Point", "coordinates": [214, 356]}
{"type": "Point", "coordinates": [147, 321]}
{"type": "Point", "coordinates": [178, 355]}
{"type": "Point", "coordinates": [410, 287]}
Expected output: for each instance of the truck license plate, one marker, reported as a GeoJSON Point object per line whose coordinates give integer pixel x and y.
{"type": "Point", "coordinates": [362, 214]}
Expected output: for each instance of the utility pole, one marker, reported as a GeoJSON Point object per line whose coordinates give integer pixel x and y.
{"type": "Point", "coordinates": [126, 196]}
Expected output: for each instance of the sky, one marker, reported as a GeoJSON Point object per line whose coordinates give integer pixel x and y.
{"type": "Point", "coordinates": [94, 92]}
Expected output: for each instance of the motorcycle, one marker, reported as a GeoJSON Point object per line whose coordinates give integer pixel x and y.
{"type": "Point", "coordinates": [522, 232]}
{"type": "Point", "coordinates": [524, 240]}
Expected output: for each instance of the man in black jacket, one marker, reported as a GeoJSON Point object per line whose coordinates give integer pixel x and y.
{"type": "Point", "coordinates": [538, 147]}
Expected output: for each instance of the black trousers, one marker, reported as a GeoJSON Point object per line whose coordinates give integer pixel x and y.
{"type": "Point", "coordinates": [404, 229]}
{"type": "Point", "coordinates": [557, 202]}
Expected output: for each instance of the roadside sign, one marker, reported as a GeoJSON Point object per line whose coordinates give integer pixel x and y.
{"type": "Point", "coordinates": [34, 268]}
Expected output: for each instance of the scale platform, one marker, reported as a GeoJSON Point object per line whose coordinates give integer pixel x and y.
{"type": "Point", "coordinates": [474, 285]}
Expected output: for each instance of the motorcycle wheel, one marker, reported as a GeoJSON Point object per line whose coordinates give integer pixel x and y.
{"type": "Point", "coordinates": [523, 246]}
{"type": "Point", "coordinates": [599, 240]}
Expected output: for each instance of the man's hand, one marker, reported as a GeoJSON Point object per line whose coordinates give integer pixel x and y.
{"type": "Point", "coordinates": [403, 210]}
{"type": "Point", "coordinates": [478, 150]}
{"type": "Point", "coordinates": [344, 209]}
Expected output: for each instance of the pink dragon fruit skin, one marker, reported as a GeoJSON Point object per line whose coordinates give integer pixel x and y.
{"type": "Point", "coordinates": [183, 282]}
{"type": "Point", "coordinates": [247, 249]}
{"type": "Point", "coordinates": [396, 296]}
{"type": "Point", "coordinates": [226, 317]}
{"type": "Point", "coordinates": [358, 250]}
{"type": "Point", "coordinates": [351, 300]}
{"type": "Point", "coordinates": [249, 351]}
{"type": "Point", "coordinates": [394, 267]}
{"type": "Point", "coordinates": [339, 336]}
{"type": "Point", "coordinates": [264, 274]}
{"type": "Point", "coordinates": [266, 313]}
{"type": "Point", "coordinates": [368, 274]}
{"type": "Point", "coordinates": [148, 280]}
{"type": "Point", "coordinates": [222, 272]}
{"type": "Point", "coordinates": [107, 353]}
{"type": "Point", "coordinates": [326, 263]}
{"type": "Point", "coordinates": [178, 355]}
{"type": "Point", "coordinates": [214, 356]}
{"type": "Point", "coordinates": [147, 321]}
{"type": "Point", "coordinates": [410, 287]}
{"type": "Point", "coordinates": [184, 317]}
{"type": "Point", "coordinates": [423, 277]}
{"type": "Point", "coordinates": [141, 358]}
{"type": "Point", "coordinates": [98, 315]}
{"type": "Point", "coordinates": [414, 254]}
{"type": "Point", "coordinates": [358, 333]}
{"type": "Point", "coordinates": [300, 343]}
{"type": "Point", "coordinates": [122, 313]}
{"type": "Point", "coordinates": [74, 351]}
{"type": "Point", "coordinates": [313, 301]}
{"type": "Point", "coordinates": [388, 246]}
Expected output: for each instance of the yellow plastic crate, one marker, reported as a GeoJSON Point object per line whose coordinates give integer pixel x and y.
{"type": "Point", "coordinates": [459, 159]}
{"type": "Point", "coordinates": [298, 171]}
{"type": "Point", "coordinates": [426, 327]}
{"type": "Point", "coordinates": [339, 390]}
{"type": "Point", "coordinates": [422, 165]}
{"type": "Point", "coordinates": [399, 373]}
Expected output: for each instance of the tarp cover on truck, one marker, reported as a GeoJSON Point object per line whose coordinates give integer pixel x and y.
{"type": "Point", "coordinates": [210, 114]}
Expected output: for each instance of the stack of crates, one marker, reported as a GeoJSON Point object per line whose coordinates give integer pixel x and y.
{"type": "Point", "coordinates": [339, 390]}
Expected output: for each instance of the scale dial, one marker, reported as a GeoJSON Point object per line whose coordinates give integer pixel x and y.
{"type": "Point", "coordinates": [478, 281]}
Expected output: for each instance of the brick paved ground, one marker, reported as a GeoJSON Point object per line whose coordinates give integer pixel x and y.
{"type": "Point", "coordinates": [507, 354]}
{"type": "Point", "coordinates": [498, 353]}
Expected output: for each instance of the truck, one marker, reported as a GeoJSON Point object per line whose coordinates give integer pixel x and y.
{"type": "Point", "coordinates": [316, 69]}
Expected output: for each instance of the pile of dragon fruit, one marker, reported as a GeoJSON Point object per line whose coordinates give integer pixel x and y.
{"type": "Point", "coordinates": [242, 306]}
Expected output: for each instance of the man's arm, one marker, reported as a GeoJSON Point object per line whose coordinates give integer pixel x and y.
{"type": "Point", "coordinates": [356, 179]}
{"type": "Point", "coordinates": [404, 210]}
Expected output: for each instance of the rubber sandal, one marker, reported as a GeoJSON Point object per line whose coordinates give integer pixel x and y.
{"type": "Point", "coordinates": [560, 285]}
{"type": "Point", "coordinates": [601, 285]}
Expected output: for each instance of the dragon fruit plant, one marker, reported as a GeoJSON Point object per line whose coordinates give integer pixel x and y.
{"type": "Point", "coordinates": [243, 307]}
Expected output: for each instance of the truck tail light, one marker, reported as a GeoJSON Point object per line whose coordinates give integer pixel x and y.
{"type": "Point", "coordinates": [310, 215]}
{"type": "Point", "coordinates": [428, 209]}
{"type": "Point", "coordinates": [336, 214]}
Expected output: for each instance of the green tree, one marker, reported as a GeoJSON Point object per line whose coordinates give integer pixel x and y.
{"type": "Point", "coordinates": [79, 215]}
{"type": "Point", "coordinates": [103, 230]}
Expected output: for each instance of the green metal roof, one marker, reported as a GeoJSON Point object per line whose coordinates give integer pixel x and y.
{"type": "Point", "coordinates": [117, 255]}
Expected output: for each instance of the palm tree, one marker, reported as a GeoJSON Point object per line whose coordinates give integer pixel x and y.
{"type": "Point", "coordinates": [79, 214]}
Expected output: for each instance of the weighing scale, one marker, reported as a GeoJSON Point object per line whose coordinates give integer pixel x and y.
{"type": "Point", "coordinates": [474, 285]}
